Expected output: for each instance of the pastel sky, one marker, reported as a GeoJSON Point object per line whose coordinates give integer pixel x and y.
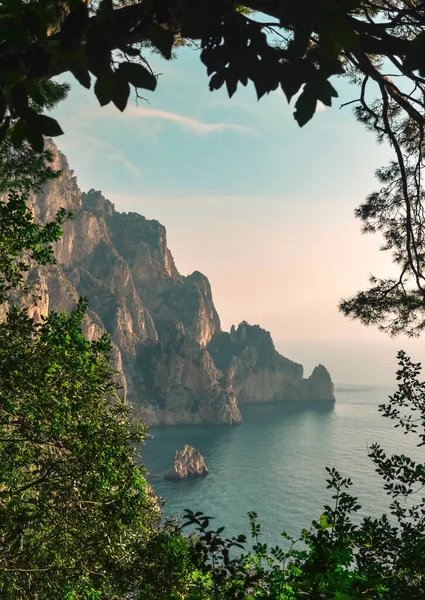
{"type": "Point", "coordinates": [262, 207]}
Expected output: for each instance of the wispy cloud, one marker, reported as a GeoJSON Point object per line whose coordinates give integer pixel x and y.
{"type": "Point", "coordinates": [108, 151]}
{"type": "Point", "coordinates": [185, 122]}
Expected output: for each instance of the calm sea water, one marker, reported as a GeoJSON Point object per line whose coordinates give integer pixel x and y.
{"type": "Point", "coordinates": [274, 462]}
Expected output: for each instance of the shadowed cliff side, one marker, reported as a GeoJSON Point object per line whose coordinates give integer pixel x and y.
{"type": "Point", "coordinates": [260, 374]}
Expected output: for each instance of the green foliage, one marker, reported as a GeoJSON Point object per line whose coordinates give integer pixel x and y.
{"type": "Point", "coordinates": [77, 518]}
{"type": "Point", "coordinates": [24, 169]}
{"type": "Point", "coordinates": [341, 557]}
{"type": "Point", "coordinates": [75, 509]}
{"type": "Point", "coordinates": [23, 241]}
{"type": "Point", "coordinates": [317, 40]}
{"type": "Point", "coordinates": [76, 513]}
{"type": "Point", "coordinates": [21, 167]}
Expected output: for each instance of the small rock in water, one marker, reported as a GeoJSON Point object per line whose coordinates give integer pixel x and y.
{"type": "Point", "coordinates": [187, 463]}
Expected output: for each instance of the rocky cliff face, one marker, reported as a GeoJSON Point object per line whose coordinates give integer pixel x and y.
{"type": "Point", "coordinates": [258, 373]}
{"type": "Point", "coordinates": [176, 364]}
{"type": "Point", "coordinates": [182, 382]}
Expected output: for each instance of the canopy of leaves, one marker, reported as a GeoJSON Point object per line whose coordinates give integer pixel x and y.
{"type": "Point", "coordinates": [298, 46]}
{"type": "Point", "coordinates": [317, 39]}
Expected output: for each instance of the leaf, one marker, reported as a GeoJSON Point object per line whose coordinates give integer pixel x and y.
{"type": "Point", "coordinates": [17, 36]}
{"type": "Point", "coordinates": [231, 82]}
{"type": "Point", "coordinates": [105, 8]}
{"type": "Point", "coordinates": [48, 126]}
{"type": "Point", "coordinates": [37, 18]}
{"type": "Point", "coordinates": [415, 55]}
{"type": "Point", "coordinates": [261, 87]}
{"type": "Point", "coordinates": [121, 94]}
{"type": "Point", "coordinates": [325, 91]}
{"type": "Point", "coordinates": [73, 26]}
{"type": "Point", "coordinates": [19, 97]}
{"type": "Point", "coordinates": [18, 133]}
{"type": "Point", "coordinates": [343, 33]}
{"type": "Point", "coordinates": [34, 137]}
{"type": "Point", "coordinates": [82, 75]}
{"type": "Point", "coordinates": [103, 88]}
{"type": "Point", "coordinates": [290, 80]}
{"type": "Point", "coordinates": [137, 75]}
{"type": "Point", "coordinates": [305, 106]}
{"type": "Point", "coordinates": [161, 38]}
{"type": "Point", "coordinates": [112, 86]}
{"type": "Point", "coordinates": [129, 50]}
{"type": "Point", "coordinates": [98, 50]}
{"type": "Point", "coordinates": [216, 81]}
{"type": "Point", "coordinates": [38, 61]}
{"type": "Point", "coordinates": [10, 76]}
{"type": "Point", "coordinates": [323, 522]}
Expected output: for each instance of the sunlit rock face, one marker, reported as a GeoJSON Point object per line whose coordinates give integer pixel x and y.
{"type": "Point", "coordinates": [258, 373]}
{"type": "Point", "coordinates": [122, 264]}
{"type": "Point", "coordinates": [176, 365]}
{"type": "Point", "coordinates": [188, 462]}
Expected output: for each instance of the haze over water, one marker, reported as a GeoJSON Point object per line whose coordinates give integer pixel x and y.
{"type": "Point", "coordinates": [274, 463]}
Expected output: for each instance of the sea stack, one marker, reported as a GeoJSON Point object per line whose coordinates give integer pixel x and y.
{"type": "Point", "coordinates": [188, 462]}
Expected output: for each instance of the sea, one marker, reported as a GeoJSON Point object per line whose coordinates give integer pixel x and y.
{"type": "Point", "coordinates": [274, 463]}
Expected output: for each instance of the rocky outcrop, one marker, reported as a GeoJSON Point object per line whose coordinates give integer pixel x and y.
{"type": "Point", "coordinates": [122, 264]}
{"type": "Point", "coordinates": [188, 462]}
{"type": "Point", "coordinates": [258, 373]}
{"type": "Point", "coordinates": [182, 382]}
{"type": "Point", "coordinates": [318, 386]}
{"type": "Point", "coordinates": [175, 363]}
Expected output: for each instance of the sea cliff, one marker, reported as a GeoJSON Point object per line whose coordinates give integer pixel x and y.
{"type": "Point", "coordinates": [258, 373]}
{"type": "Point", "coordinates": [177, 365]}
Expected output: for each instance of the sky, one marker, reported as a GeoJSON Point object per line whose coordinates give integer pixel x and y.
{"type": "Point", "coordinates": [262, 207]}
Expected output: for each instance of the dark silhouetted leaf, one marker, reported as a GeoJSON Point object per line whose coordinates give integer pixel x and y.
{"type": "Point", "coordinates": [415, 56]}
{"type": "Point", "coordinates": [82, 75]}
{"type": "Point", "coordinates": [121, 94]}
{"type": "Point", "coordinates": [137, 75]}
{"type": "Point", "coordinates": [161, 38]}
{"type": "Point", "coordinates": [291, 80]}
{"type": "Point", "coordinates": [231, 82]}
{"type": "Point", "coordinates": [34, 136]}
{"type": "Point", "coordinates": [38, 61]}
{"type": "Point", "coordinates": [48, 126]}
{"type": "Point", "coordinates": [305, 106]}
{"type": "Point", "coordinates": [217, 81]}
{"type": "Point", "coordinates": [19, 97]}
{"type": "Point", "coordinates": [73, 27]}
{"type": "Point", "coordinates": [18, 133]}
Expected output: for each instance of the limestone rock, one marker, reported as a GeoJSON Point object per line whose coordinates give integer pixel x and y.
{"type": "Point", "coordinates": [182, 382]}
{"type": "Point", "coordinates": [188, 462]}
{"type": "Point", "coordinates": [258, 373]}
{"type": "Point", "coordinates": [122, 264]}
{"type": "Point", "coordinates": [318, 386]}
